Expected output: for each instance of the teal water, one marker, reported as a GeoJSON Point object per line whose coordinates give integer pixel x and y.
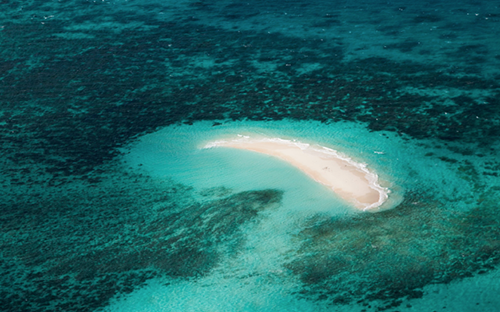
{"type": "Point", "coordinates": [109, 201]}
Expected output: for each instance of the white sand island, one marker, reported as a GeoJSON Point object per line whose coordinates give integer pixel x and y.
{"type": "Point", "coordinates": [352, 181]}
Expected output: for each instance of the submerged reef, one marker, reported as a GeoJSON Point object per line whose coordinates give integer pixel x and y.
{"type": "Point", "coordinates": [79, 80]}
{"type": "Point", "coordinates": [73, 249]}
{"type": "Point", "coordinates": [75, 99]}
{"type": "Point", "coordinates": [392, 255]}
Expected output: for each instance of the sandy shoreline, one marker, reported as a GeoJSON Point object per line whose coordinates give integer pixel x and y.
{"type": "Point", "coordinates": [350, 180]}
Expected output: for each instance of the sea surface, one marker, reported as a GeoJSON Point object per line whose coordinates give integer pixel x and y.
{"type": "Point", "coordinates": [111, 199]}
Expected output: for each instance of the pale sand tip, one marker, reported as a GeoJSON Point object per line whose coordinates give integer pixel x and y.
{"type": "Point", "coordinates": [352, 181]}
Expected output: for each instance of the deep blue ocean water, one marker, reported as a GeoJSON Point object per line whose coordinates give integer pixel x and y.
{"type": "Point", "coordinates": [109, 201]}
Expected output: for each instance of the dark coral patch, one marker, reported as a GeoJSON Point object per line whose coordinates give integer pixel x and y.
{"type": "Point", "coordinates": [112, 238]}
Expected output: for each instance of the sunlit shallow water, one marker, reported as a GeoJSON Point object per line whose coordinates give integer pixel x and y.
{"type": "Point", "coordinates": [260, 276]}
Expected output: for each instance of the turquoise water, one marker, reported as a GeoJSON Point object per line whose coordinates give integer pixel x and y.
{"type": "Point", "coordinates": [181, 153]}
{"type": "Point", "coordinates": [109, 201]}
{"type": "Point", "coordinates": [261, 275]}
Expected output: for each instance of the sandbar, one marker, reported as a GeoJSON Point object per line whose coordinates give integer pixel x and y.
{"type": "Point", "coordinates": [350, 180]}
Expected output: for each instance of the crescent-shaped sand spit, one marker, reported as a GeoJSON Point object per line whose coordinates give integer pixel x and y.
{"type": "Point", "coordinates": [351, 180]}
